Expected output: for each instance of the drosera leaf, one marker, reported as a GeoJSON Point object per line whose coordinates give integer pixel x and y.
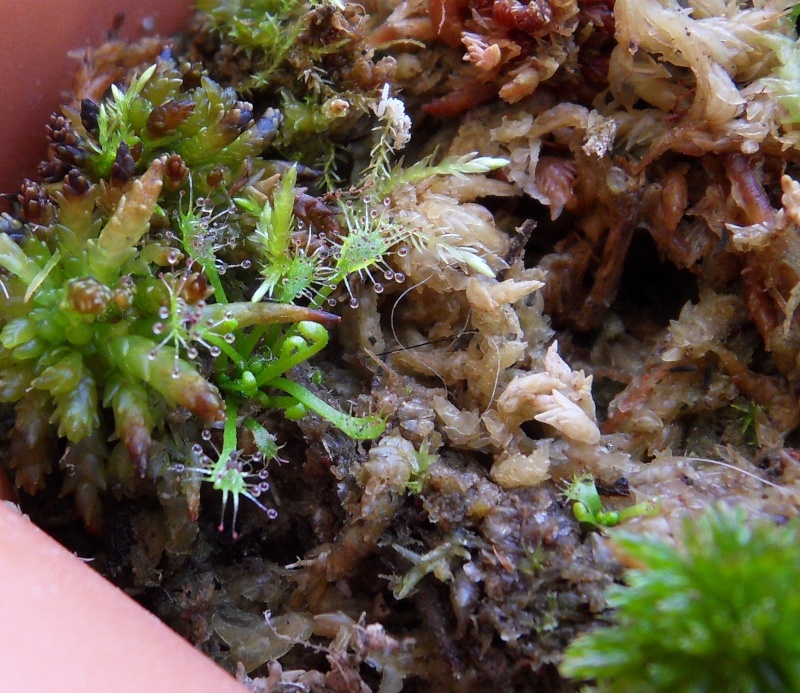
{"type": "Point", "coordinates": [303, 342]}
{"type": "Point", "coordinates": [264, 440]}
{"type": "Point", "coordinates": [233, 472]}
{"type": "Point", "coordinates": [357, 427]}
{"type": "Point", "coordinates": [583, 492]}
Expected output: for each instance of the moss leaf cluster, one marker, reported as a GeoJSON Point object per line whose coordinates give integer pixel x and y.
{"type": "Point", "coordinates": [720, 614]}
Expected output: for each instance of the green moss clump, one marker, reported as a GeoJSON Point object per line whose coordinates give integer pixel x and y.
{"type": "Point", "coordinates": [720, 614]}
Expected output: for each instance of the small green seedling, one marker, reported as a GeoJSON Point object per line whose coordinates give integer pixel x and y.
{"type": "Point", "coordinates": [436, 561]}
{"type": "Point", "coordinates": [424, 458]}
{"type": "Point", "coordinates": [588, 507]}
{"type": "Point", "coordinates": [750, 414]}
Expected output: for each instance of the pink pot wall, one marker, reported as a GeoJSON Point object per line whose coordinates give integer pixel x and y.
{"type": "Point", "coordinates": [64, 628]}
{"type": "Point", "coordinates": [34, 41]}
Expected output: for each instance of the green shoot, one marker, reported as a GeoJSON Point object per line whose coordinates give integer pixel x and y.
{"type": "Point", "coordinates": [458, 166]}
{"type": "Point", "coordinates": [99, 322]}
{"type": "Point", "coordinates": [436, 561]}
{"type": "Point", "coordinates": [266, 29]}
{"type": "Point", "coordinates": [286, 276]}
{"type": "Point", "coordinates": [424, 458]}
{"type": "Point", "coordinates": [114, 125]}
{"type": "Point", "coordinates": [786, 75]}
{"type": "Point", "coordinates": [359, 428]}
{"type": "Point", "coordinates": [750, 414]}
{"type": "Point", "coordinates": [588, 507]}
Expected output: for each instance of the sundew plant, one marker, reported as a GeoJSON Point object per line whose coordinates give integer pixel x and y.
{"type": "Point", "coordinates": [166, 261]}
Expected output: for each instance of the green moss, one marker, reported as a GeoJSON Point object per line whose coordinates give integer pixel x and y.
{"type": "Point", "coordinates": [265, 29]}
{"type": "Point", "coordinates": [209, 128]}
{"type": "Point", "coordinates": [720, 614]}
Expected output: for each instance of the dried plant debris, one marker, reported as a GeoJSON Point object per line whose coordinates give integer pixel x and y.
{"type": "Point", "coordinates": [426, 295]}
